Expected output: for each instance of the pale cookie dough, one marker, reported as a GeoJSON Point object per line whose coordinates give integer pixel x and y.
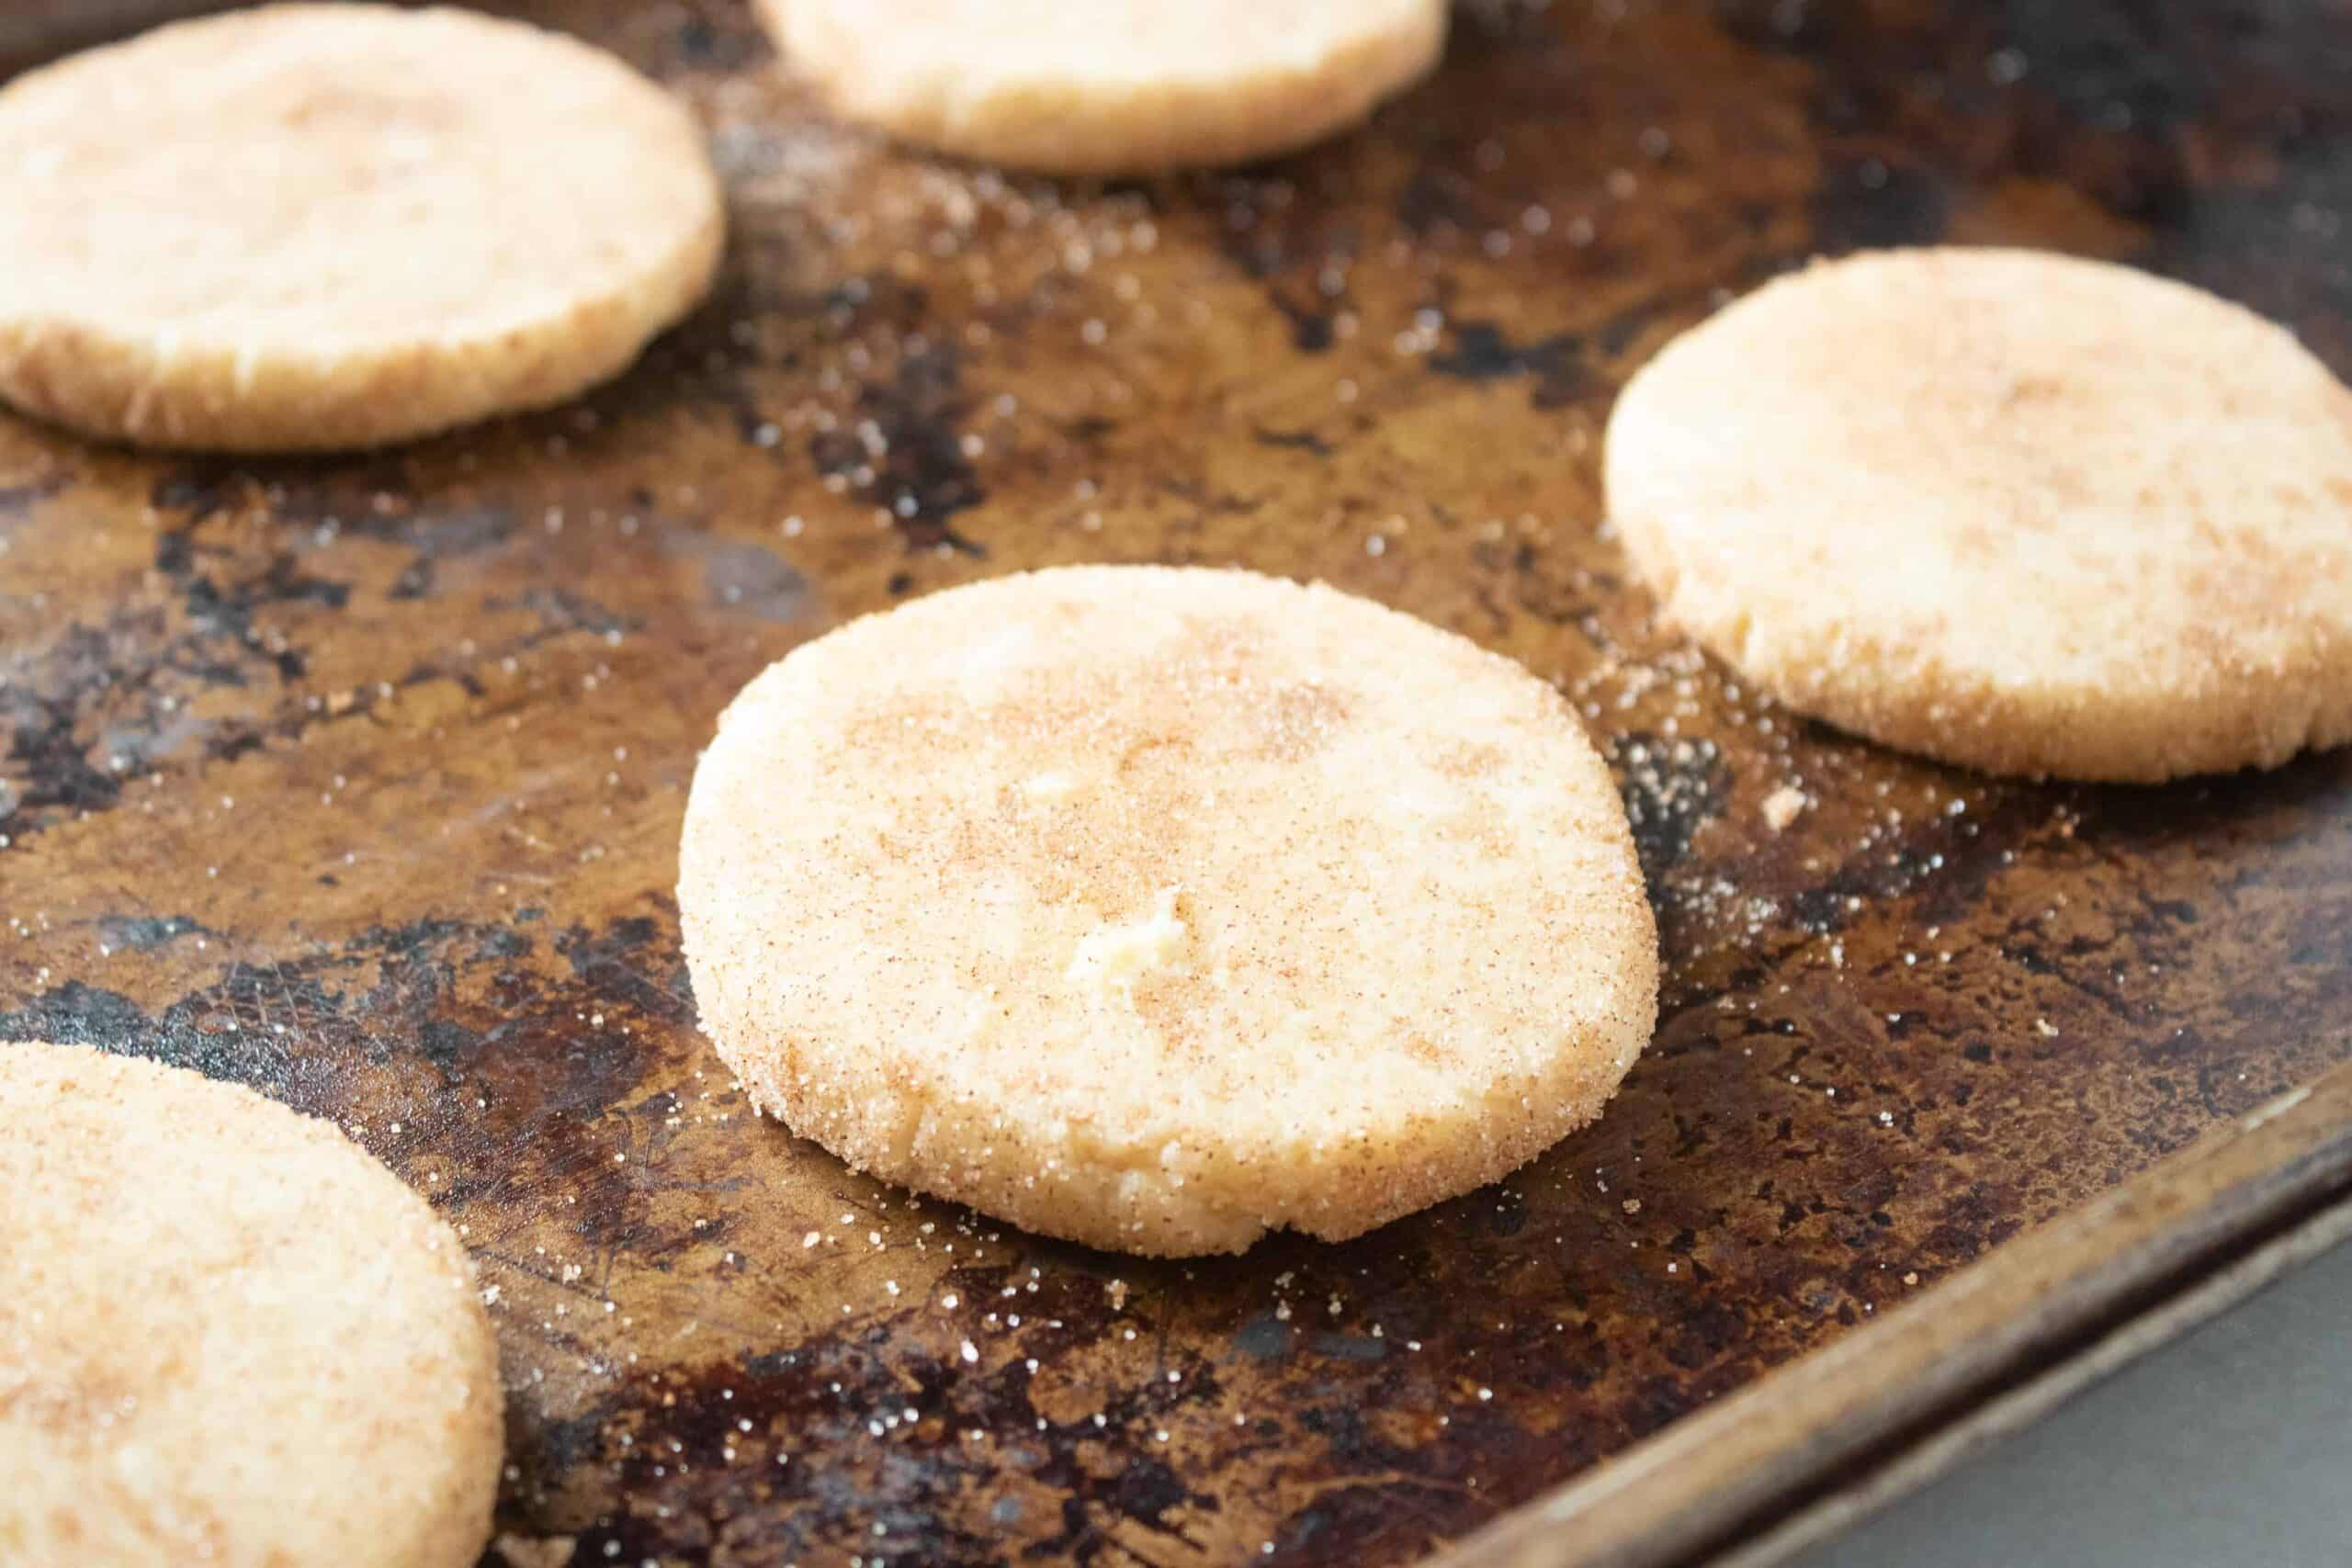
{"type": "Point", "coordinates": [2034, 514]}
{"type": "Point", "coordinates": [1109, 86]}
{"type": "Point", "coordinates": [227, 1334]}
{"type": "Point", "coordinates": [1159, 907]}
{"type": "Point", "coordinates": [310, 227]}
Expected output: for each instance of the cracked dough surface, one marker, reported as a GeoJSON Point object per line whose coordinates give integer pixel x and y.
{"type": "Point", "coordinates": [307, 227]}
{"type": "Point", "coordinates": [227, 1334]}
{"type": "Point", "coordinates": [1109, 86]}
{"type": "Point", "coordinates": [2028, 512]}
{"type": "Point", "coordinates": [1156, 907]}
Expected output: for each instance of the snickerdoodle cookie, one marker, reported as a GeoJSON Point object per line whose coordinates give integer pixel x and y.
{"type": "Point", "coordinates": [315, 226]}
{"type": "Point", "coordinates": [1159, 908]}
{"type": "Point", "coordinates": [2035, 514]}
{"type": "Point", "coordinates": [1109, 86]}
{"type": "Point", "coordinates": [227, 1334]}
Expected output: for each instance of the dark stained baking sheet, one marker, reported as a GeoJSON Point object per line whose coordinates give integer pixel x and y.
{"type": "Point", "coordinates": [360, 781]}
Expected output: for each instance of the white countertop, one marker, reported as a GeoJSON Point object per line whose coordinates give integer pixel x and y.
{"type": "Point", "coordinates": [2231, 1446]}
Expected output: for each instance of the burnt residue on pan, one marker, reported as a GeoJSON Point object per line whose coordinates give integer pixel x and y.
{"type": "Point", "coordinates": [361, 780]}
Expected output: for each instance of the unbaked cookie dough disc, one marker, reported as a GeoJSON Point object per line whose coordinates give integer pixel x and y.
{"type": "Point", "coordinates": [308, 227]}
{"type": "Point", "coordinates": [227, 1334]}
{"type": "Point", "coordinates": [2030, 513]}
{"type": "Point", "coordinates": [1110, 87]}
{"type": "Point", "coordinates": [1159, 907]}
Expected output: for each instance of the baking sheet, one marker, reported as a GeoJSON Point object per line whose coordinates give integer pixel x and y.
{"type": "Point", "coordinates": [360, 781]}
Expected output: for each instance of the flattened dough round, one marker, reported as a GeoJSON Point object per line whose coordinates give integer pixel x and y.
{"type": "Point", "coordinates": [2032, 513]}
{"type": "Point", "coordinates": [1158, 908]}
{"type": "Point", "coordinates": [1110, 87]}
{"type": "Point", "coordinates": [319, 226]}
{"type": "Point", "coordinates": [227, 1334]}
